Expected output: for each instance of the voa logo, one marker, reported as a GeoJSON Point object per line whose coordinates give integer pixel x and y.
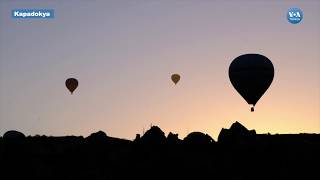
{"type": "Point", "coordinates": [294, 15]}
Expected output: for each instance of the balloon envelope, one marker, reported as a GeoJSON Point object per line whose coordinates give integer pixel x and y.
{"type": "Point", "coordinates": [71, 84]}
{"type": "Point", "coordinates": [175, 78]}
{"type": "Point", "coordinates": [251, 75]}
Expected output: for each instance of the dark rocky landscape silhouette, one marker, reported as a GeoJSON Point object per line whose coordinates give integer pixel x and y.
{"type": "Point", "coordinates": [238, 153]}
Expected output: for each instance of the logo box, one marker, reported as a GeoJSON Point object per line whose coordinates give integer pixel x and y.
{"type": "Point", "coordinates": [32, 13]}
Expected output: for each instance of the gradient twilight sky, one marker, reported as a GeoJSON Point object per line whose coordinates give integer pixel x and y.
{"type": "Point", "coordinates": [123, 53]}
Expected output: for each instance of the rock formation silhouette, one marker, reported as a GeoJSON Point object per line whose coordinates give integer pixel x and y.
{"type": "Point", "coordinates": [13, 135]}
{"type": "Point", "coordinates": [237, 134]}
{"type": "Point", "coordinates": [173, 138]}
{"type": "Point", "coordinates": [239, 153]}
{"type": "Point", "coordinates": [154, 136]}
{"type": "Point", "coordinates": [198, 138]}
{"type": "Point", "coordinates": [97, 137]}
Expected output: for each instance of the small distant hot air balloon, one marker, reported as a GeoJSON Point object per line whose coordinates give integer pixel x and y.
{"type": "Point", "coordinates": [251, 75]}
{"type": "Point", "coordinates": [175, 78]}
{"type": "Point", "coordinates": [72, 84]}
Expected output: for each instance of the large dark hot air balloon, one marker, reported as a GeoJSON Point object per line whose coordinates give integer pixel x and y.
{"type": "Point", "coordinates": [175, 78]}
{"type": "Point", "coordinates": [72, 84]}
{"type": "Point", "coordinates": [251, 75]}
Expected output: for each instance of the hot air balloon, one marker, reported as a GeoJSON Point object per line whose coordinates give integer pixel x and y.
{"type": "Point", "coordinates": [72, 84]}
{"type": "Point", "coordinates": [251, 75]}
{"type": "Point", "coordinates": [175, 78]}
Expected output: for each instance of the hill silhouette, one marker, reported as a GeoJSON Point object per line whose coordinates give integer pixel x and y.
{"type": "Point", "coordinates": [238, 153]}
